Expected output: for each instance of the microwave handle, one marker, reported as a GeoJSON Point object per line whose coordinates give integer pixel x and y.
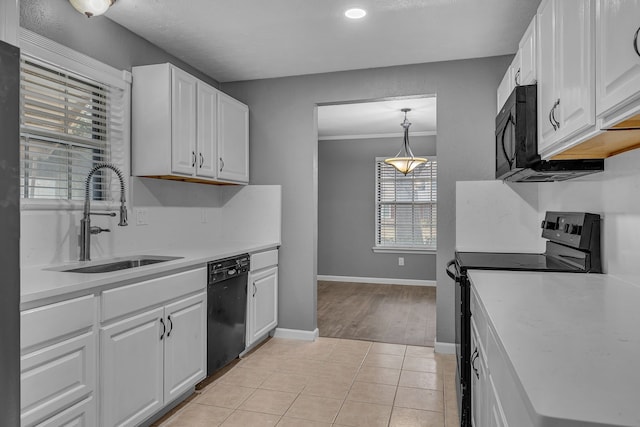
{"type": "Point", "coordinates": [504, 149]}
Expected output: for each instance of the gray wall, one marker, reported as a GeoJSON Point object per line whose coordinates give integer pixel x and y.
{"type": "Point", "coordinates": [97, 37]}
{"type": "Point", "coordinates": [284, 150]}
{"type": "Point", "coordinates": [346, 210]}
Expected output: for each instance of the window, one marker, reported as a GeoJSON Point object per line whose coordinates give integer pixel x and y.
{"type": "Point", "coordinates": [69, 122]}
{"type": "Point", "coordinates": [406, 207]}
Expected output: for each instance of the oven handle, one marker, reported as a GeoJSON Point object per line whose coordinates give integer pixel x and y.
{"type": "Point", "coordinates": [454, 276]}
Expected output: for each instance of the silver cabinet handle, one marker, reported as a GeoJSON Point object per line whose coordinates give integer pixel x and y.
{"type": "Point", "coordinates": [170, 326]}
{"type": "Point", "coordinates": [193, 159]}
{"type": "Point", "coordinates": [254, 289]}
{"type": "Point", "coordinates": [201, 159]}
{"type": "Point", "coordinates": [516, 78]}
{"type": "Point", "coordinates": [164, 328]}
{"type": "Point", "coordinates": [551, 120]}
{"type": "Point", "coordinates": [221, 164]}
{"type": "Point", "coordinates": [635, 42]}
{"type": "Point", "coordinates": [474, 357]}
{"type": "Point", "coordinates": [553, 113]}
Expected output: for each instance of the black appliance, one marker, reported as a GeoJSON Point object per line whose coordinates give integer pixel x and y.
{"type": "Point", "coordinates": [226, 310]}
{"type": "Point", "coordinates": [517, 157]}
{"type": "Point", "coordinates": [573, 246]}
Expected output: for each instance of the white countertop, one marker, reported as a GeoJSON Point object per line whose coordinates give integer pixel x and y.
{"type": "Point", "coordinates": [573, 341]}
{"type": "Point", "coordinates": [41, 283]}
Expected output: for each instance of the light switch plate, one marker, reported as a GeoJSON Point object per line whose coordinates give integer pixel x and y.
{"type": "Point", "coordinates": [401, 261]}
{"type": "Point", "coordinates": [142, 217]}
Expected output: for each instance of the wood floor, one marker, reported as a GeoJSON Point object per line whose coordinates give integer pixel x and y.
{"type": "Point", "coordinates": [394, 314]}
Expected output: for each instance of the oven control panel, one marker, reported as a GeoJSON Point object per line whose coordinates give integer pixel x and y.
{"type": "Point", "coordinates": [575, 229]}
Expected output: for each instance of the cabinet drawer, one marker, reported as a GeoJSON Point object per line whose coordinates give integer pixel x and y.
{"type": "Point", "coordinates": [264, 259]}
{"type": "Point", "coordinates": [55, 377]}
{"type": "Point", "coordinates": [139, 296]}
{"type": "Point", "coordinates": [52, 322]}
{"type": "Point", "coordinates": [81, 414]}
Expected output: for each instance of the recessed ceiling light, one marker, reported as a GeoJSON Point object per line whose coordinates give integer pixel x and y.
{"type": "Point", "coordinates": [355, 13]}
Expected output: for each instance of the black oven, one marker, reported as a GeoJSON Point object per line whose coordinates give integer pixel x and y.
{"type": "Point", "coordinates": [573, 246]}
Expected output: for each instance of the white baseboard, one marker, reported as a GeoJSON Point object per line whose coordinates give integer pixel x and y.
{"type": "Point", "coordinates": [377, 280]}
{"type": "Point", "coordinates": [444, 347]}
{"type": "Point", "coordinates": [297, 334]}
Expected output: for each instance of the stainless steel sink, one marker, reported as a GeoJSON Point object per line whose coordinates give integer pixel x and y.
{"type": "Point", "coordinates": [116, 264]}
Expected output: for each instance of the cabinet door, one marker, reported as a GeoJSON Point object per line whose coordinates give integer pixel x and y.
{"type": "Point", "coordinates": [233, 139]}
{"type": "Point", "coordinates": [207, 131]}
{"type": "Point", "coordinates": [547, 97]}
{"type": "Point", "coordinates": [504, 90]}
{"type": "Point", "coordinates": [576, 35]}
{"type": "Point", "coordinates": [478, 381]}
{"type": "Point", "coordinates": [183, 122]}
{"type": "Point", "coordinates": [263, 288]}
{"type": "Point", "coordinates": [79, 415]}
{"type": "Point", "coordinates": [132, 369]}
{"type": "Point", "coordinates": [185, 345]}
{"type": "Point", "coordinates": [527, 52]}
{"type": "Point", "coordinates": [618, 53]}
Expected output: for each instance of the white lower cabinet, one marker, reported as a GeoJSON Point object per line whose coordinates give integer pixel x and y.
{"type": "Point", "coordinates": [262, 296]}
{"type": "Point", "coordinates": [58, 364]}
{"type": "Point", "coordinates": [151, 354]}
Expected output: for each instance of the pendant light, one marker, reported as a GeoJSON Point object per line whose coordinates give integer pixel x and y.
{"type": "Point", "coordinates": [405, 161]}
{"type": "Point", "coordinates": [92, 7]}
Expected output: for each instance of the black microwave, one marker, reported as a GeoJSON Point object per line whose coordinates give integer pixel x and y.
{"type": "Point", "coordinates": [517, 157]}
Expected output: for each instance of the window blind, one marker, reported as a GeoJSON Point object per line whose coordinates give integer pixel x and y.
{"type": "Point", "coordinates": [69, 123]}
{"type": "Point", "coordinates": [406, 206]}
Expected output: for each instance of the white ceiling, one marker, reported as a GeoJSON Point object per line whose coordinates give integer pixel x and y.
{"type": "Point", "coordinates": [379, 119]}
{"type": "Point", "coordinates": [252, 39]}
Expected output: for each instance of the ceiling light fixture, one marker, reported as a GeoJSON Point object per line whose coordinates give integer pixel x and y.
{"type": "Point", "coordinates": [355, 13]}
{"type": "Point", "coordinates": [92, 7]}
{"type": "Point", "coordinates": [405, 161]}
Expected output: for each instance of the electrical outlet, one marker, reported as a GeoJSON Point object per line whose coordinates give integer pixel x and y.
{"type": "Point", "coordinates": [142, 217]}
{"type": "Point", "coordinates": [203, 216]}
{"type": "Point", "coordinates": [401, 261]}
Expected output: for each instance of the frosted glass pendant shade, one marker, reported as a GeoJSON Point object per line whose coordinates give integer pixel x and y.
{"type": "Point", "coordinates": [405, 164]}
{"type": "Point", "coordinates": [92, 7]}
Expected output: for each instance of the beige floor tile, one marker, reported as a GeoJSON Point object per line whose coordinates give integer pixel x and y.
{"type": "Point", "coordinates": [422, 364]}
{"type": "Point", "coordinates": [302, 366]}
{"type": "Point", "coordinates": [417, 351]}
{"type": "Point", "coordinates": [334, 388]}
{"type": "Point", "coordinates": [195, 415]}
{"type": "Point", "coordinates": [244, 377]}
{"type": "Point", "coordinates": [253, 419]}
{"type": "Point", "coordinates": [383, 360]}
{"type": "Point", "coordinates": [264, 362]}
{"type": "Point", "coordinates": [338, 371]}
{"type": "Point", "coordinates": [418, 398]}
{"type": "Point", "coordinates": [416, 379]}
{"type": "Point", "coordinates": [269, 402]}
{"type": "Point", "coordinates": [224, 395]}
{"type": "Point", "coordinates": [384, 348]}
{"type": "Point", "coordinates": [314, 408]}
{"type": "Point", "coordinates": [295, 422]}
{"type": "Point", "coordinates": [360, 414]}
{"type": "Point", "coordinates": [316, 350]}
{"type": "Point", "coordinates": [284, 381]}
{"type": "Point", "coordinates": [353, 345]}
{"type": "Point", "coordinates": [375, 374]}
{"type": "Point", "coordinates": [347, 357]}
{"type": "Point", "coordinates": [403, 417]}
{"type": "Point", "coordinates": [380, 394]}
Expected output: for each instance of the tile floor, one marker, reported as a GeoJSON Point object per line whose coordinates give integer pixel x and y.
{"type": "Point", "coordinates": [329, 382]}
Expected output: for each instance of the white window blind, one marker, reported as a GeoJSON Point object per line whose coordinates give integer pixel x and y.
{"type": "Point", "coordinates": [69, 123]}
{"type": "Point", "coordinates": [406, 206]}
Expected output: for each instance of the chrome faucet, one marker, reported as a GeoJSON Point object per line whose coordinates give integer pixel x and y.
{"type": "Point", "coordinates": [86, 230]}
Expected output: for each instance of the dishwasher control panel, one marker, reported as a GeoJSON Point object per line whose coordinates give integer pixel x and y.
{"type": "Point", "coordinates": [227, 268]}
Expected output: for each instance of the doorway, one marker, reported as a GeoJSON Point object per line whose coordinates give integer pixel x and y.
{"type": "Point", "coordinates": [370, 286]}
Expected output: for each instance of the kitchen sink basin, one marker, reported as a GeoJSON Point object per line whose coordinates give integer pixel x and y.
{"type": "Point", "coordinates": [117, 264]}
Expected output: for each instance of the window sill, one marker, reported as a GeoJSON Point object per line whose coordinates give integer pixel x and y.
{"type": "Point", "coordinates": [400, 250]}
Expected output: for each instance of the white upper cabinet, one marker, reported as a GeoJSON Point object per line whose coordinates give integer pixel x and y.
{"type": "Point", "coordinates": [566, 71]}
{"type": "Point", "coordinates": [233, 139]}
{"type": "Point", "coordinates": [526, 73]}
{"type": "Point", "coordinates": [618, 53]}
{"type": "Point", "coordinates": [522, 70]}
{"type": "Point", "coordinates": [184, 129]}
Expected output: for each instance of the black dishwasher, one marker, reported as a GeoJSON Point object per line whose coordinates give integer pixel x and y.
{"type": "Point", "coordinates": [226, 310]}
